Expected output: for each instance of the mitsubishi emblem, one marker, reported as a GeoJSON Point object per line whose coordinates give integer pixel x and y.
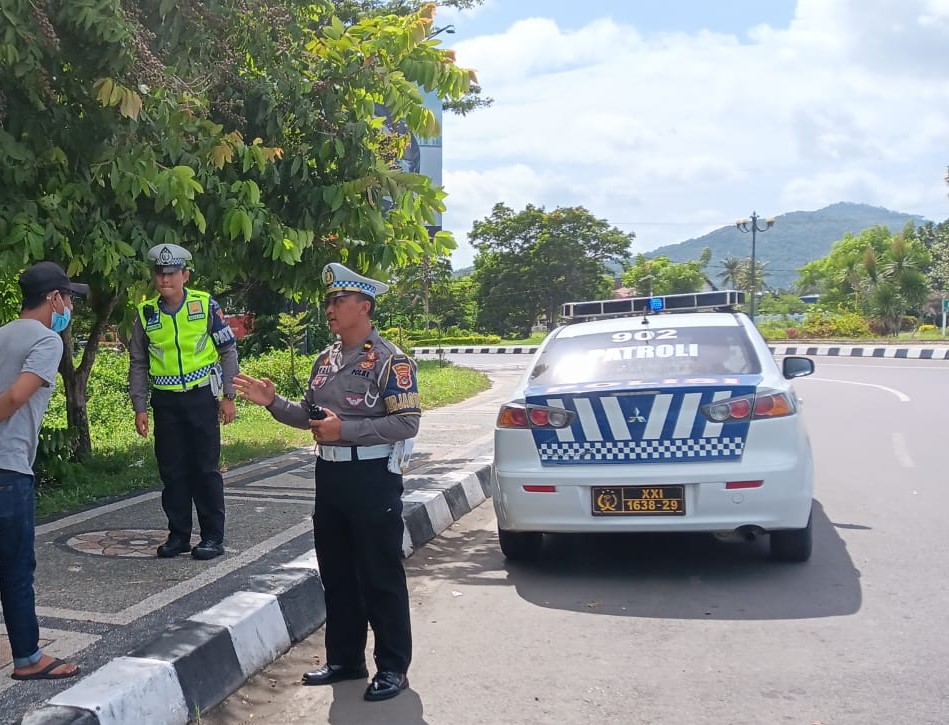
{"type": "Point", "coordinates": [635, 417]}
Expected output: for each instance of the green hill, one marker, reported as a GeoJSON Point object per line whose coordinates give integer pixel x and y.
{"type": "Point", "coordinates": [797, 238]}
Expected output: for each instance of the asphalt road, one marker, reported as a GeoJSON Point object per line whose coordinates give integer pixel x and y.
{"type": "Point", "coordinates": [655, 629]}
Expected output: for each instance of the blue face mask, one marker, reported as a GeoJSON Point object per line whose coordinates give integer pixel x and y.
{"type": "Point", "coordinates": [61, 321]}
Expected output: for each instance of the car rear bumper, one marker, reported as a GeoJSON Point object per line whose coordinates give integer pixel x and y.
{"type": "Point", "coordinates": [783, 501]}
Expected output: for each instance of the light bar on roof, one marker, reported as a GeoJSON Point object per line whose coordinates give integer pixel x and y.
{"type": "Point", "coordinates": [690, 302]}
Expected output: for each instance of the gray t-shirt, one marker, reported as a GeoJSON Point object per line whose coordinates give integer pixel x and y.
{"type": "Point", "coordinates": [26, 346]}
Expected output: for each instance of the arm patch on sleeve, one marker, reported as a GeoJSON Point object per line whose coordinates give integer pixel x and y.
{"type": "Point", "coordinates": [401, 388]}
{"type": "Point", "coordinates": [221, 332]}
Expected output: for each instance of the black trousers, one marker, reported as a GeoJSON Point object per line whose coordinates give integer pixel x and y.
{"type": "Point", "coordinates": [357, 530]}
{"type": "Point", "coordinates": [188, 449]}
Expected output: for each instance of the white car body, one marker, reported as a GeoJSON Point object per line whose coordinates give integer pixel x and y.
{"type": "Point", "coordinates": [641, 424]}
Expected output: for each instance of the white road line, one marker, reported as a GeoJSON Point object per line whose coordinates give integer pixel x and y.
{"type": "Point", "coordinates": [901, 449]}
{"type": "Point", "coordinates": [902, 396]}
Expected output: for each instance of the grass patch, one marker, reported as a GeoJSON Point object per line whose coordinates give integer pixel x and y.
{"type": "Point", "coordinates": [443, 383]}
{"type": "Point", "coordinates": [535, 339]}
{"type": "Point", "coordinates": [124, 463]}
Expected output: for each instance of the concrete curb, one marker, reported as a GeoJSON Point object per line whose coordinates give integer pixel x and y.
{"type": "Point", "coordinates": [908, 352]}
{"type": "Point", "coordinates": [903, 353]}
{"type": "Point", "coordinates": [195, 664]}
{"type": "Point", "coordinates": [530, 349]}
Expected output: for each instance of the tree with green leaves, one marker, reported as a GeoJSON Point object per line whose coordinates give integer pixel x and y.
{"type": "Point", "coordinates": [662, 276]}
{"type": "Point", "coordinates": [876, 273]}
{"type": "Point", "coordinates": [353, 10]}
{"type": "Point", "coordinates": [244, 130]}
{"type": "Point", "coordinates": [532, 261]}
{"type": "Point", "coordinates": [935, 237]}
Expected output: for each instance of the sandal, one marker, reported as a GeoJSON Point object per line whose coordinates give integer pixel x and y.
{"type": "Point", "coordinates": [47, 672]}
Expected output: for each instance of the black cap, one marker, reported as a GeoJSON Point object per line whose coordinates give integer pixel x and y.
{"type": "Point", "coordinates": [45, 277]}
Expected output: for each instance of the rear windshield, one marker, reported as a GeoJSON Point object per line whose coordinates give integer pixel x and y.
{"type": "Point", "coordinates": [646, 354]}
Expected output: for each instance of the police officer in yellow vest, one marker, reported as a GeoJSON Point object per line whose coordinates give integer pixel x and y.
{"type": "Point", "coordinates": [184, 353]}
{"type": "Point", "coordinates": [363, 408]}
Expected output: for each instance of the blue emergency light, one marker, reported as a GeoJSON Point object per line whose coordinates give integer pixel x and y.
{"type": "Point", "coordinates": [657, 304]}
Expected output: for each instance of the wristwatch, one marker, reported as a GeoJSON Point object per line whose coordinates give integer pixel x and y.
{"type": "Point", "coordinates": [230, 396]}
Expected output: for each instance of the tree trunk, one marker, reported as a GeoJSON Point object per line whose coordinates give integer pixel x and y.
{"type": "Point", "coordinates": [76, 378]}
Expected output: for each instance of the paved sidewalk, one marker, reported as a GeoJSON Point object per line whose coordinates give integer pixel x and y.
{"type": "Point", "coordinates": [160, 640]}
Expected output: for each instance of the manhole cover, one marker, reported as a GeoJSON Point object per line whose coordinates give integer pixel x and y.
{"type": "Point", "coordinates": [126, 543]}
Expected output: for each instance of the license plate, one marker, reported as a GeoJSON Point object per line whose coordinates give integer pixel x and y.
{"type": "Point", "coordinates": [639, 501]}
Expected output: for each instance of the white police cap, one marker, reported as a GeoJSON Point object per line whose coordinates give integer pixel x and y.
{"type": "Point", "coordinates": [339, 279]}
{"type": "Point", "coordinates": [169, 257]}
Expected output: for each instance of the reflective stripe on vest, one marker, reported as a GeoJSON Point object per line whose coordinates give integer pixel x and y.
{"type": "Point", "coordinates": [181, 354]}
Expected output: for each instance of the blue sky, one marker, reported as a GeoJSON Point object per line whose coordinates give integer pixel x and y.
{"type": "Point", "coordinates": [651, 16]}
{"type": "Point", "coordinates": [673, 118]}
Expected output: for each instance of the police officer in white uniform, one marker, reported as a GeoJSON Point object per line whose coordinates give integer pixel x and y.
{"type": "Point", "coordinates": [362, 405]}
{"type": "Point", "coordinates": [184, 355]}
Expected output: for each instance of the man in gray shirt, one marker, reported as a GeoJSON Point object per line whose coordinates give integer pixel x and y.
{"type": "Point", "coordinates": [30, 353]}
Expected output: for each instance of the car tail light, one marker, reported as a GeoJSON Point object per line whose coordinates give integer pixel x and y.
{"type": "Point", "coordinates": [764, 404]}
{"type": "Point", "coordinates": [732, 485]}
{"type": "Point", "coordinates": [518, 415]}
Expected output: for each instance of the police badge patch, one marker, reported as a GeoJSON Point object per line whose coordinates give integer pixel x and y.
{"type": "Point", "coordinates": [195, 310]}
{"type": "Point", "coordinates": [403, 375]}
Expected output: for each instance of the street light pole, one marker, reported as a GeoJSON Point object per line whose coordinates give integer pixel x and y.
{"type": "Point", "coordinates": [450, 29]}
{"type": "Point", "coordinates": [751, 225]}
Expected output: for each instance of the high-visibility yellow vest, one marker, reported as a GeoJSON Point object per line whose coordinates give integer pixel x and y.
{"type": "Point", "coordinates": [181, 353]}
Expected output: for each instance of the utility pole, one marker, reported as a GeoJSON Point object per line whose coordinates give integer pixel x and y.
{"type": "Point", "coordinates": [426, 289]}
{"type": "Point", "coordinates": [751, 225]}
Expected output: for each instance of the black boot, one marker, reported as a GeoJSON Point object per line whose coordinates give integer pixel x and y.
{"type": "Point", "coordinates": [174, 546]}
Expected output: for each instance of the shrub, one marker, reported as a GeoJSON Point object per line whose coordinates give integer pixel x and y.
{"type": "Point", "coordinates": [276, 366]}
{"type": "Point", "coordinates": [772, 330]}
{"type": "Point", "coordinates": [877, 327]}
{"type": "Point", "coordinates": [927, 328]}
{"type": "Point", "coordinates": [819, 324]}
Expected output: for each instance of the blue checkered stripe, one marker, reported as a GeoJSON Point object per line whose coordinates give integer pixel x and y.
{"type": "Point", "coordinates": [629, 451]}
{"type": "Point", "coordinates": [183, 381]}
{"type": "Point", "coordinates": [660, 425]}
{"type": "Point", "coordinates": [369, 289]}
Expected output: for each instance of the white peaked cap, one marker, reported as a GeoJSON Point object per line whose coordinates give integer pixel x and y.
{"type": "Point", "coordinates": [169, 255]}
{"type": "Point", "coordinates": [338, 278]}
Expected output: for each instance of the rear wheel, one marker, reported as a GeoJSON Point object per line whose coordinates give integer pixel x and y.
{"type": "Point", "coordinates": [793, 545]}
{"type": "Point", "coordinates": [520, 545]}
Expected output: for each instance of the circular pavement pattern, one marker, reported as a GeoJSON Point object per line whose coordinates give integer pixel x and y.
{"type": "Point", "coordinates": [127, 543]}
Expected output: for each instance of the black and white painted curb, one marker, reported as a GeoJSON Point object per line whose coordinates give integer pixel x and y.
{"type": "Point", "coordinates": [529, 349]}
{"type": "Point", "coordinates": [889, 351]}
{"type": "Point", "coordinates": [195, 664]}
{"type": "Point", "coordinates": [910, 352]}
{"type": "Point", "coordinates": [441, 499]}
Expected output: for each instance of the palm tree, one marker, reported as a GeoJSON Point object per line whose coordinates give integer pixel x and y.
{"type": "Point", "coordinates": [732, 272]}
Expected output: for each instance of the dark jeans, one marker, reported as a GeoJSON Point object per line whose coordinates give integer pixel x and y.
{"type": "Point", "coordinates": [188, 449]}
{"type": "Point", "coordinates": [357, 530]}
{"type": "Point", "coordinates": [17, 565]}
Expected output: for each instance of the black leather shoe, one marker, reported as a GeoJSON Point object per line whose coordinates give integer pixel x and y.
{"type": "Point", "coordinates": [386, 685]}
{"type": "Point", "coordinates": [207, 549]}
{"type": "Point", "coordinates": [328, 674]}
{"type": "Point", "coordinates": [173, 547]}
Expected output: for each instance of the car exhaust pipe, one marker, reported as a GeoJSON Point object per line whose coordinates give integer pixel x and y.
{"type": "Point", "coordinates": [749, 533]}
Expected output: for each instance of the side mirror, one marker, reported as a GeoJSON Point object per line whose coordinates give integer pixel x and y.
{"type": "Point", "coordinates": [797, 367]}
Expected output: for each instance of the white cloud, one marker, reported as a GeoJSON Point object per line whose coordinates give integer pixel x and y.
{"type": "Point", "coordinates": [663, 134]}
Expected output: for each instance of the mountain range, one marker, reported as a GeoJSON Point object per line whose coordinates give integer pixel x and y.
{"type": "Point", "coordinates": [796, 238]}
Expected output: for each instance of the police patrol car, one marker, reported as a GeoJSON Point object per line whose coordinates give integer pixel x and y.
{"type": "Point", "coordinates": [655, 414]}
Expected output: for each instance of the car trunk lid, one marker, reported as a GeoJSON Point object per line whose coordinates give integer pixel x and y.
{"type": "Point", "coordinates": [658, 422]}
